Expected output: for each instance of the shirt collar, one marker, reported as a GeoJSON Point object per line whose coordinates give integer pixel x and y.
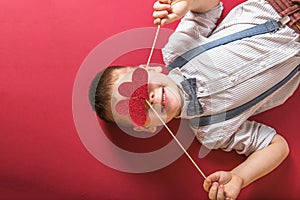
{"type": "Point", "coordinates": [178, 77]}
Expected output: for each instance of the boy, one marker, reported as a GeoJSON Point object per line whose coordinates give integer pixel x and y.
{"type": "Point", "coordinates": [224, 80]}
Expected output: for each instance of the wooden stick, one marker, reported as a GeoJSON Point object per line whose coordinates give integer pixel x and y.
{"type": "Point", "coordinates": [153, 45]}
{"type": "Point", "coordinates": [169, 130]}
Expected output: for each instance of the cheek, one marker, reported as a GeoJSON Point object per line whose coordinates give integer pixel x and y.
{"type": "Point", "coordinates": [157, 117]}
{"type": "Point", "coordinates": [159, 78]}
{"type": "Point", "coordinates": [173, 95]}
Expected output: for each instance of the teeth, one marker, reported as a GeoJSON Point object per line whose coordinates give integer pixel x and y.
{"type": "Point", "coordinates": [163, 102]}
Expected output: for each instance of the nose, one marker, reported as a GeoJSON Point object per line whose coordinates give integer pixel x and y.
{"type": "Point", "coordinates": [152, 97]}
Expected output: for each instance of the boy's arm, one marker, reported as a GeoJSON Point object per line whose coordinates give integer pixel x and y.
{"type": "Point", "coordinates": [167, 11]}
{"type": "Point", "coordinates": [255, 166]}
{"type": "Point", "coordinates": [193, 29]}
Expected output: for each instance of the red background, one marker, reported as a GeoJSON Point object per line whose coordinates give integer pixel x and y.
{"type": "Point", "coordinates": [42, 45]}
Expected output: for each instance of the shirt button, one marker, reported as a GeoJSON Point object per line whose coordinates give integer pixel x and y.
{"type": "Point", "coordinates": [201, 89]}
{"type": "Point", "coordinates": [232, 78]}
{"type": "Point", "coordinates": [263, 63]}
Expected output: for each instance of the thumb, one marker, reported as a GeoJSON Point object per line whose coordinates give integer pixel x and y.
{"type": "Point", "coordinates": [215, 177]}
{"type": "Point", "coordinates": [169, 19]}
{"type": "Point", "coordinates": [207, 184]}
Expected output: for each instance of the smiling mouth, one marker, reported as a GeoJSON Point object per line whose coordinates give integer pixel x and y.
{"type": "Point", "coordinates": [163, 100]}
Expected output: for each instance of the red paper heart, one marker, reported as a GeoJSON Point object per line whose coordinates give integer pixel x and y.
{"type": "Point", "coordinates": [137, 91]}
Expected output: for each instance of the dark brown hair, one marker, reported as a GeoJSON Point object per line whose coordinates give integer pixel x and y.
{"type": "Point", "coordinates": [100, 92]}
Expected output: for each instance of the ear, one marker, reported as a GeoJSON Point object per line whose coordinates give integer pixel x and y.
{"type": "Point", "coordinates": [152, 68]}
{"type": "Point", "coordinates": [150, 129]}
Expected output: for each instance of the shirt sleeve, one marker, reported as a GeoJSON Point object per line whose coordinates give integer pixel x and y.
{"type": "Point", "coordinates": [193, 29]}
{"type": "Point", "coordinates": [251, 136]}
{"type": "Point", "coordinates": [198, 25]}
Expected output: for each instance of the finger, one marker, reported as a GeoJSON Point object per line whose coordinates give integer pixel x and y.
{"type": "Point", "coordinates": [214, 177]}
{"type": "Point", "coordinates": [157, 21]}
{"type": "Point", "coordinates": [164, 21]}
{"type": "Point", "coordinates": [160, 14]}
{"type": "Point", "coordinates": [220, 194]}
{"type": "Point", "coordinates": [165, 1]}
{"type": "Point", "coordinates": [213, 191]}
{"type": "Point", "coordinates": [169, 19]}
{"type": "Point", "coordinates": [159, 6]}
{"type": "Point", "coordinates": [207, 184]}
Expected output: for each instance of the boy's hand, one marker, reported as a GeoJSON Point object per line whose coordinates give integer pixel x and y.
{"type": "Point", "coordinates": [167, 11]}
{"type": "Point", "coordinates": [223, 185]}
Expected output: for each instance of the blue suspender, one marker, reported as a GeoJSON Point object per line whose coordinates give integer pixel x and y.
{"type": "Point", "coordinates": [220, 117]}
{"type": "Point", "coordinates": [268, 27]}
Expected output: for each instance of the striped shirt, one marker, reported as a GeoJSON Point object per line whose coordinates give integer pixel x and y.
{"type": "Point", "coordinates": [233, 74]}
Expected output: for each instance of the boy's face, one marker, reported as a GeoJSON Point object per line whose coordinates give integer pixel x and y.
{"type": "Point", "coordinates": [133, 87]}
